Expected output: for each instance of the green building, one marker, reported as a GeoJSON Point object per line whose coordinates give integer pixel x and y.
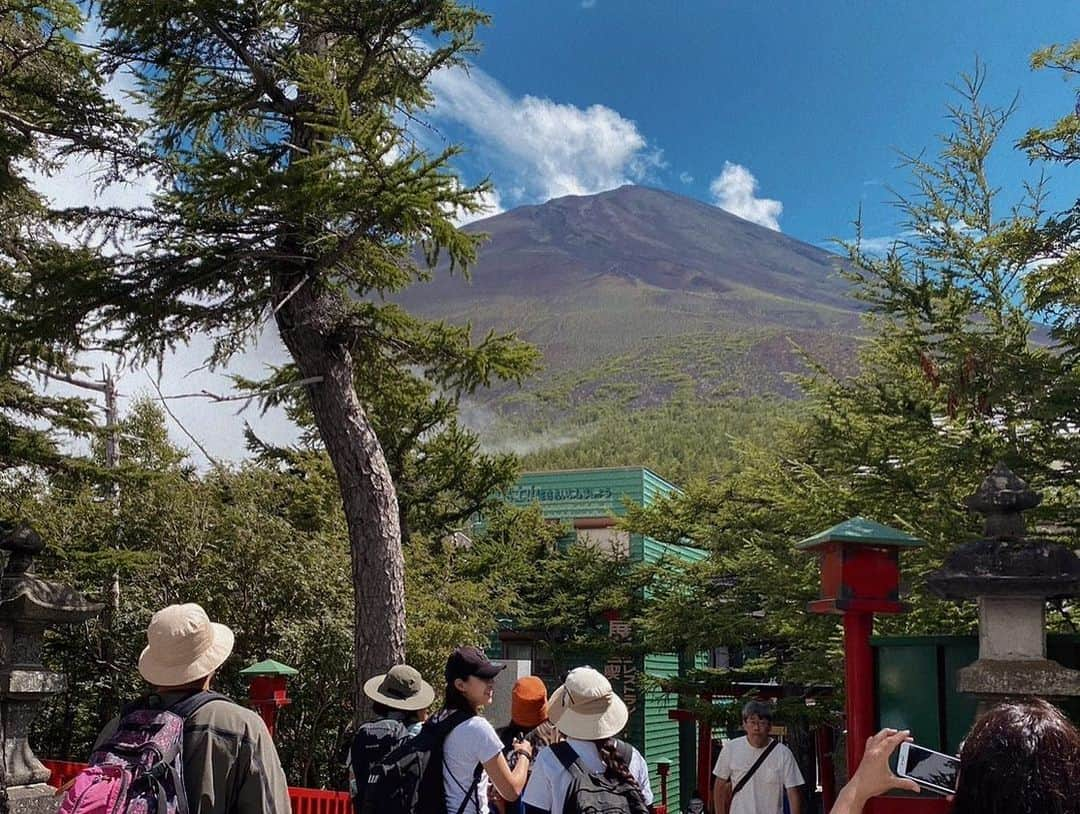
{"type": "Point", "coordinates": [587, 502]}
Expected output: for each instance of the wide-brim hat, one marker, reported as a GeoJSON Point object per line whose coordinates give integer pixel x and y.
{"type": "Point", "coordinates": [183, 646]}
{"type": "Point", "coordinates": [400, 687]}
{"type": "Point", "coordinates": [585, 706]}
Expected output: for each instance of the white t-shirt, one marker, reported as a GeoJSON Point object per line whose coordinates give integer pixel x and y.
{"type": "Point", "coordinates": [764, 794]}
{"type": "Point", "coordinates": [469, 743]}
{"type": "Point", "coordinates": [549, 781]}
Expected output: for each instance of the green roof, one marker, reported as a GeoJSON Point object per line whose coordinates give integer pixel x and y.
{"type": "Point", "coordinates": [861, 531]}
{"type": "Point", "coordinates": [269, 668]}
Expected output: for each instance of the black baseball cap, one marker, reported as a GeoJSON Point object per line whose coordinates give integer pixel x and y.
{"type": "Point", "coordinates": [470, 661]}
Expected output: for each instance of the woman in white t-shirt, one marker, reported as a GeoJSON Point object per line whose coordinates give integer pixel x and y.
{"type": "Point", "coordinates": [589, 714]}
{"type": "Point", "coordinates": [472, 752]}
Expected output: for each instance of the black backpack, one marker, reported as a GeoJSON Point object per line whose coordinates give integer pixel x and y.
{"type": "Point", "coordinates": [595, 793]}
{"type": "Point", "coordinates": [372, 742]}
{"type": "Point", "coordinates": [409, 780]}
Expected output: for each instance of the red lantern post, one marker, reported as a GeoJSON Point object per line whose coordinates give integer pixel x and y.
{"type": "Point", "coordinates": [860, 576]}
{"type": "Point", "coordinates": [266, 689]}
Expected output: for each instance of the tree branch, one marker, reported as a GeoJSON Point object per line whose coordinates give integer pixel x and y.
{"type": "Point", "coordinates": [165, 406]}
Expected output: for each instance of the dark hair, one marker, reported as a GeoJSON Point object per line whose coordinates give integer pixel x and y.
{"type": "Point", "coordinates": [614, 768]}
{"type": "Point", "coordinates": [1021, 757]}
{"type": "Point", "coordinates": [511, 732]}
{"type": "Point", "coordinates": [407, 717]}
{"type": "Point", "coordinates": [455, 699]}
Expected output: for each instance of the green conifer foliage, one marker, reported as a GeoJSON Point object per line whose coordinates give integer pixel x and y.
{"type": "Point", "coordinates": [956, 374]}
{"type": "Point", "coordinates": [52, 110]}
{"type": "Point", "coordinates": [293, 192]}
{"type": "Point", "coordinates": [1053, 285]}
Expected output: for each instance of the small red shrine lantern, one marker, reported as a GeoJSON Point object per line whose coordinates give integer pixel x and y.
{"type": "Point", "coordinates": [860, 566]}
{"type": "Point", "coordinates": [266, 689]}
{"type": "Point", "coordinates": [860, 576]}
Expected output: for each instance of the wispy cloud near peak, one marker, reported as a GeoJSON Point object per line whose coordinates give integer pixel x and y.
{"type": "Point", "coordinates": [542, 147]}
{"type": "Point", "coordinates": [735, 191]}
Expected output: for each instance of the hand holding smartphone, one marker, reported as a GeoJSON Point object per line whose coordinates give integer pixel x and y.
{"type": "Point", "coordinates": [931, 770]}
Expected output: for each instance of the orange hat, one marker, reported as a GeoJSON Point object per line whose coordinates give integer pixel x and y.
{"type": "Point", "coordinates": [528, 702]}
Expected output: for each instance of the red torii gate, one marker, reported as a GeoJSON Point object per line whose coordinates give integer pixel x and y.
{"type": "Point", "coordinates": [860, 576]}
{"type": "Point", "coordinates": [823, 739]}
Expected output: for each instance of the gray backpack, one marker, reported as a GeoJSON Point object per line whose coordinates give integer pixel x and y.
{"type": "Point", "coordinates": [373, 741]}
{"type": "Point", "coordinates": [591, 793]}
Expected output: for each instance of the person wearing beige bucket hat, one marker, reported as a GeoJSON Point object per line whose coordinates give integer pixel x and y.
{"type": "Point", "coordinates": [590, 715]}
{"type": "Point", "coordinates": [230, 765]}
{"type": "Point", "coordinates": [184, 646]}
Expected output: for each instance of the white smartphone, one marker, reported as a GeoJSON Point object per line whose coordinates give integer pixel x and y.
{"type": "Point", "coordinates": [930, 769]}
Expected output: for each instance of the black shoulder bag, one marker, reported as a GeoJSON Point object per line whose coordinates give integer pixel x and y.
{"type": "Point", "coordinates": [757, 765]}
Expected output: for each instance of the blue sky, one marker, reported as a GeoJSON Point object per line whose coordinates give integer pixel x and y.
{"type": "Point", "coordinates": [787, 113]}
{"type": "Point", "coordinates": [810, 100]}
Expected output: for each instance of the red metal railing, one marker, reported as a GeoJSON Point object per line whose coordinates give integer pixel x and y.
{"type": "Point", "coordinates": [304, 801]}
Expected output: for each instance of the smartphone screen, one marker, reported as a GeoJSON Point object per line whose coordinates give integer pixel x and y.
{"type": "Point", "coordinates": [931, 768]}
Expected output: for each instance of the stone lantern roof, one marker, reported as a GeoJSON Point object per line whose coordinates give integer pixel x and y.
{"type": "Point", "coordinates": [1011, 576]}
{"type": "Point", "coordinates": [1005, 562]}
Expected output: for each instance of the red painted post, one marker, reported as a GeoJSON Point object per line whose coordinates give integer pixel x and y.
{"type": "Point", "coordinates": [827, 767]}
{"type": "Point", "coordinates": [860, 576]}
{"type": "Point", "coordinates": [704, 758]}
{"type": "Point", "coordinates": [858, 684]}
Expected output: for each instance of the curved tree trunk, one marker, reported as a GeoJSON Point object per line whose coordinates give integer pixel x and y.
{"type": "Point", "coordinates": [309, 330]}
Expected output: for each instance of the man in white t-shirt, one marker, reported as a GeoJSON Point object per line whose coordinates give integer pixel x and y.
{"type": "Point", "coordinates": [777, 775]}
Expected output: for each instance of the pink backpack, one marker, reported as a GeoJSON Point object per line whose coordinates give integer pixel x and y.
{"type": "Point", "coordinates": [140, 768]}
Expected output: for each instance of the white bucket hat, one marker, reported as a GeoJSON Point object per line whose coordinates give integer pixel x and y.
{"type": "Point", "coordinates": [184, 646]}
{"type": "Point", "coordinates": [585, 706]}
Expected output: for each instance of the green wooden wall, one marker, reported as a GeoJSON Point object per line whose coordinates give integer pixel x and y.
{"type": "Point", "coordinates": [594, 493]}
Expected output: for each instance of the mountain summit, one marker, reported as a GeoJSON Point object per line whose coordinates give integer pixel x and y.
{"type": "Point", "coordinates": [635, 294]}
{"type": "Point", "coordinates": [645, 235]}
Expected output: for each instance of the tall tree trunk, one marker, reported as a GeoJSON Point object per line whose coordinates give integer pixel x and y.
{"type": "Point", "coordinates": [308, 326]}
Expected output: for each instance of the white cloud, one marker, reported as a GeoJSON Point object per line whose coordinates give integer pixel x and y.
{"type": "Point", "coordinates": [218, 426]}
{"type": "Point", "coordinates": [78, 182]}
{"type": "Point", "coordinates": [547, 148]}
{"type": "Point", "coordinates": [588, 3]}
{"type": "Point", "coordinates": [735, 190]}
{"type": "Point", "coordinates": [491, 204]}
{"type": "Point", "coordinates": [686, 177]}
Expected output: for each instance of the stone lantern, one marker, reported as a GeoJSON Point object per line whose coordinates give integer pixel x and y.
{"type": "Point", "coordinates": [27, 606]}
{"type": "Point", "coordinates": [1011, 577]}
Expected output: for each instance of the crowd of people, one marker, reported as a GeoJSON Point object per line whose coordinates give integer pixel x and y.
{"type": "Point", "coordinates": [183, 749]}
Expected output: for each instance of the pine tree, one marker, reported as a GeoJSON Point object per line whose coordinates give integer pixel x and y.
{"type": "Point", "coordinates": [52, 110]}
{"type": "Point", "coordinates": [441, 474]}
{"type": "Point", "coordinates": [1053, 286]}
{"type": "Point", "coordinates": [294, 192]}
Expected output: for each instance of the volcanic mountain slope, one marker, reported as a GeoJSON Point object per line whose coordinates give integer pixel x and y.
{"type": "Point", "coordinates": [637, 294]}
